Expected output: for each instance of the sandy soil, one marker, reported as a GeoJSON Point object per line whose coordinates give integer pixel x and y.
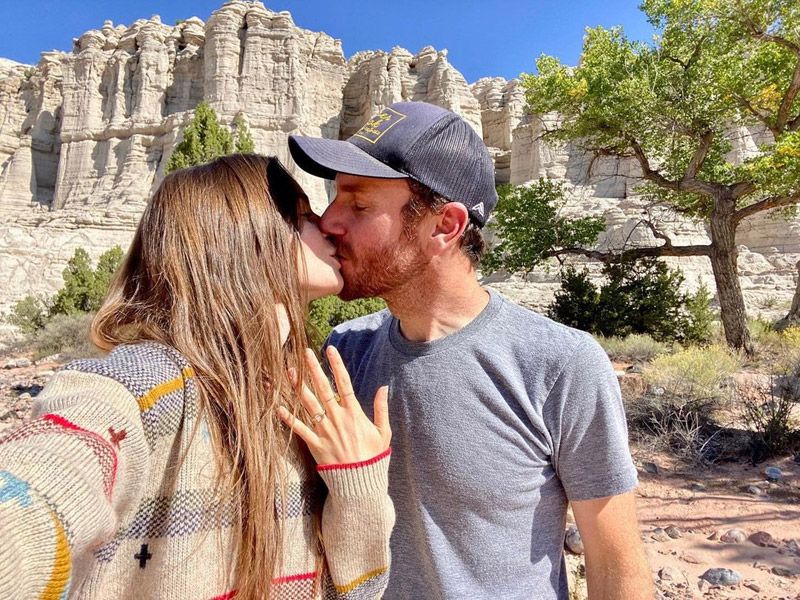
{"type": "Point", "coordinates": [706, 503]}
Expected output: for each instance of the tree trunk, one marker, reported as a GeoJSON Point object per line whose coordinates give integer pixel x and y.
{"type": "Point", "coordinates": [793, 318]}
{"type": "Point", "coordinates": [724, 255]}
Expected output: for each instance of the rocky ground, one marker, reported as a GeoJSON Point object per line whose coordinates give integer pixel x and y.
{"type": "Point", "coordinates": [728, 531]}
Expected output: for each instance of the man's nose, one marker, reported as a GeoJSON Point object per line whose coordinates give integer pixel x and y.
{"type": "Point", "coordinates": [331, 223]}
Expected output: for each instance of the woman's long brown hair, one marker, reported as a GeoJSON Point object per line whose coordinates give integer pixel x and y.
{"type": "Point", "coordinates": [214, 253]}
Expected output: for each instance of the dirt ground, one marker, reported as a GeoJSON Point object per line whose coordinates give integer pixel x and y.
{"type": "Point", "coordinates": [685, 513]}
{"type": "Point", "coordinates": [705, 504]}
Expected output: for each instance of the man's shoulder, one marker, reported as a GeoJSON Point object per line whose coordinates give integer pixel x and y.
{"type": "Point", "coordinates": [358, 332]}
{"type": "Point", "coordinates": [540, 337]}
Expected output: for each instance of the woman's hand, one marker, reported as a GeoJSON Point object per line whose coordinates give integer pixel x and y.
{"type": "Point", "coordinates": [341, 432]}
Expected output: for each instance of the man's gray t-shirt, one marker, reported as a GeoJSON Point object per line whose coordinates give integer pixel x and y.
{"type": "Point", "coordinates": [495, 427]}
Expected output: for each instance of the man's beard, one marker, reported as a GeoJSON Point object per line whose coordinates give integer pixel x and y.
{"type": "Point", "coordinates": [379, 272]}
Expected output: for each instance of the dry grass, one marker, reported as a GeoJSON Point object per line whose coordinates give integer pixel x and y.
{"type": "Point", "coordinates": [635, 348]}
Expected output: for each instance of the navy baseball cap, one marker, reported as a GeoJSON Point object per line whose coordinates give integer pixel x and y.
{"type": "Point", "coordinates": [410, 139]}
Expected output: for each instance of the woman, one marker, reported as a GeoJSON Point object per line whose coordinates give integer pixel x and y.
{"type": "Point", "coordinates": [164, 470]}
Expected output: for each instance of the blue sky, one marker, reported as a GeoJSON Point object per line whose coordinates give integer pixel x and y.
{"type": "Point", "coordinates": [484, 38]}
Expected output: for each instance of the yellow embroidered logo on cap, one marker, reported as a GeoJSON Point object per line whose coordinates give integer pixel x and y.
{"type": "Point", "coordinates": [379, 124]}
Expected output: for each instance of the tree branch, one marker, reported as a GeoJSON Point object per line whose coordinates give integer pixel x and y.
{"type": "Point", "coordinates": [635, 253]}
{"type": "Point", "coordinates": [742, 189]}
{"type": "Point", "coordinates": [699, 157]}
{"type": "Point", "coordinates": [765, 204]}
{"type": "Point", "coordinates": [788, 99]}
{"type": "Point", "coordinates": [685, 185]}
{"type": "Point", "coordinates": [763, 36]}
{"type": "Point", "coordinates": [758, 113]}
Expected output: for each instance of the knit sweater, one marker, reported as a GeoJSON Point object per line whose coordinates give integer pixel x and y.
{"type": "Point", "coordinates": [95, 501]}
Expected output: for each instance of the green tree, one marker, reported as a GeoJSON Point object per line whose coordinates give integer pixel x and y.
{"type": "Point", "coordinates": [29, 314]}
{"type": "Point", "coordinates": [204, 139]}
{"type": "Point", "coordinates": [672, 106]}
{"type": "Point", "coordinates": [243, 140]}
{"type": "Point", "coordinates": [642, 296]}
{"type": "Point", "coordinates": [575, 304]}
{"type": "Point", "coordinates": [78, 278]}
{"type": "Point", "coordinates": [532, 229]}
{"type": "Point", "coordinates": [85, 287]}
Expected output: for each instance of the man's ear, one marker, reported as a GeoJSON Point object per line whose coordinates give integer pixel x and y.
{"type": "Point", "coordinates": [449, 226]}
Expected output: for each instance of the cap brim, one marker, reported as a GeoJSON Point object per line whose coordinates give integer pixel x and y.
{"type": "Point", "coordinates": [325, 158]}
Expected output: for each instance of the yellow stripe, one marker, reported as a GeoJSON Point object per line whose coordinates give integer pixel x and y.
{"type": "Point", "coordinates": [62, 565]}
{"type": "Point", "coordinates": [147, 401]}
{"type": "Point", "coordinates": [343, 589]}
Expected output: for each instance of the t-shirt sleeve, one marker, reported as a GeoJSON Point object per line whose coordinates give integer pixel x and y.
{"type": "Point", "coordinates": [586, 420]}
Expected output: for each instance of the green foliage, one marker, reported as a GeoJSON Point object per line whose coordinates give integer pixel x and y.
{"type": "Point", "coordinates": [529, 223]}
{"type": "Point", "coordinates": [29, 314]}
{"type": "Point", "coordinates": [328, 312]}
{"type": "Point", "coordinates": [85, 287]}
{"type": "Point", "coordinates": [243, 140]}
{"type": "Point", "coordinates": [694, 372]}
{"type": "Point", "coordinates": [675, 105]}
{"type": "Point", "coordinates": [575, 304]}
{"type": "Point", "coordinates": [78, 277]}
{"type": "Point", "coordinates": [636, 348]}
{"type": "Point", "coordinates": [699, 326]}
{"type": "Point", "coordinates": [638, 297]}
{"type": "Point", "coordinates": [204, 139]}
{"type": "Point", "coordinates": [642, 297]}
{"type": "Point", "coordinates": [711, 68]}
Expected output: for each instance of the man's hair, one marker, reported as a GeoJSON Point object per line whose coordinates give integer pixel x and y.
{"type": "Point", "coordinates": [423, 201]}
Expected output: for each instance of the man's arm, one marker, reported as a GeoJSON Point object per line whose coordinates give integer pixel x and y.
{"type": "Point", "coordinates": [616, 566]}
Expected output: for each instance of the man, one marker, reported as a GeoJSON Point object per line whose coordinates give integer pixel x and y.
{"type": "Point", "coordinates": [500, 416]}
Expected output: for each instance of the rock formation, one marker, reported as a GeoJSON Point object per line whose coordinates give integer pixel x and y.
{"type": "Point", "coordinates": [85, 136]}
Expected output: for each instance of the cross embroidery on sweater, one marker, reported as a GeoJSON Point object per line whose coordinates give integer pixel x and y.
{"type": "Point", "coordinates": [143, 556]}
{"type": "Point", "coordinates": [117, 436]}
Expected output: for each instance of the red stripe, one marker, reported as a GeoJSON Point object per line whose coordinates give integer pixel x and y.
{"type": "Point", "coordinates": [227, 596]}
{"type": "Point", "coordinates": [355, 465]}
{"type": "Point", "coordinates": [59, 420]}
{"type": "Point", "coordinates": [299, 577]}
{"type": "Point", "coordinates": [62, 422]}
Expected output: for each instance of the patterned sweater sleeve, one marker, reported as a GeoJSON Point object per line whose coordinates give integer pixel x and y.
{"type": "Point", "coordinates": [357, 522]}
{"type": "Point", "coordinates": [66, 479]}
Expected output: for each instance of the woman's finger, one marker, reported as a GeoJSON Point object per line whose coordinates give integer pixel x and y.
{"type": "Point", "coordinates": [313, 406]}
{"type": "Point", "coordinates": [344, 385]}
{"type": "Point", "coordinates": [300, 428]}
{"type": "Point", "coordinates": [381, 412]}
{"type": "Point", "coordinates": [320, 382]}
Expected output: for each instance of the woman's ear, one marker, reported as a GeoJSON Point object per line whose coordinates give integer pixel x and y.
{"type": "Point", "coordinates": [449, 226]}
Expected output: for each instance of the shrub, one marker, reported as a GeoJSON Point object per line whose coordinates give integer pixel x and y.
{"type": "Point", "coordinates": [673, 422]}
{"type": "Point", "coordinates": [640, 297]}
{"type": "Point", "coordinates": [67, 335]}
{"type": "Point", "coordinates": [29, 314]}
{"type": "Point", "coordinates": [764, 336]}
{"type": "Point", "coordinates": [636, 347]}
{"type": "Point", "coordinates": [767, 410]}
{"type": "Point", "coordinates": [699, 326]}
{"type": "Point", "coordinates": [693, 372]}
{"type": "Point", "coordinates": [575, 304]}
{"type": "Point", "coordinates": [326, 313]}
{"type": "Point", "coordinates": [84, 287]}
